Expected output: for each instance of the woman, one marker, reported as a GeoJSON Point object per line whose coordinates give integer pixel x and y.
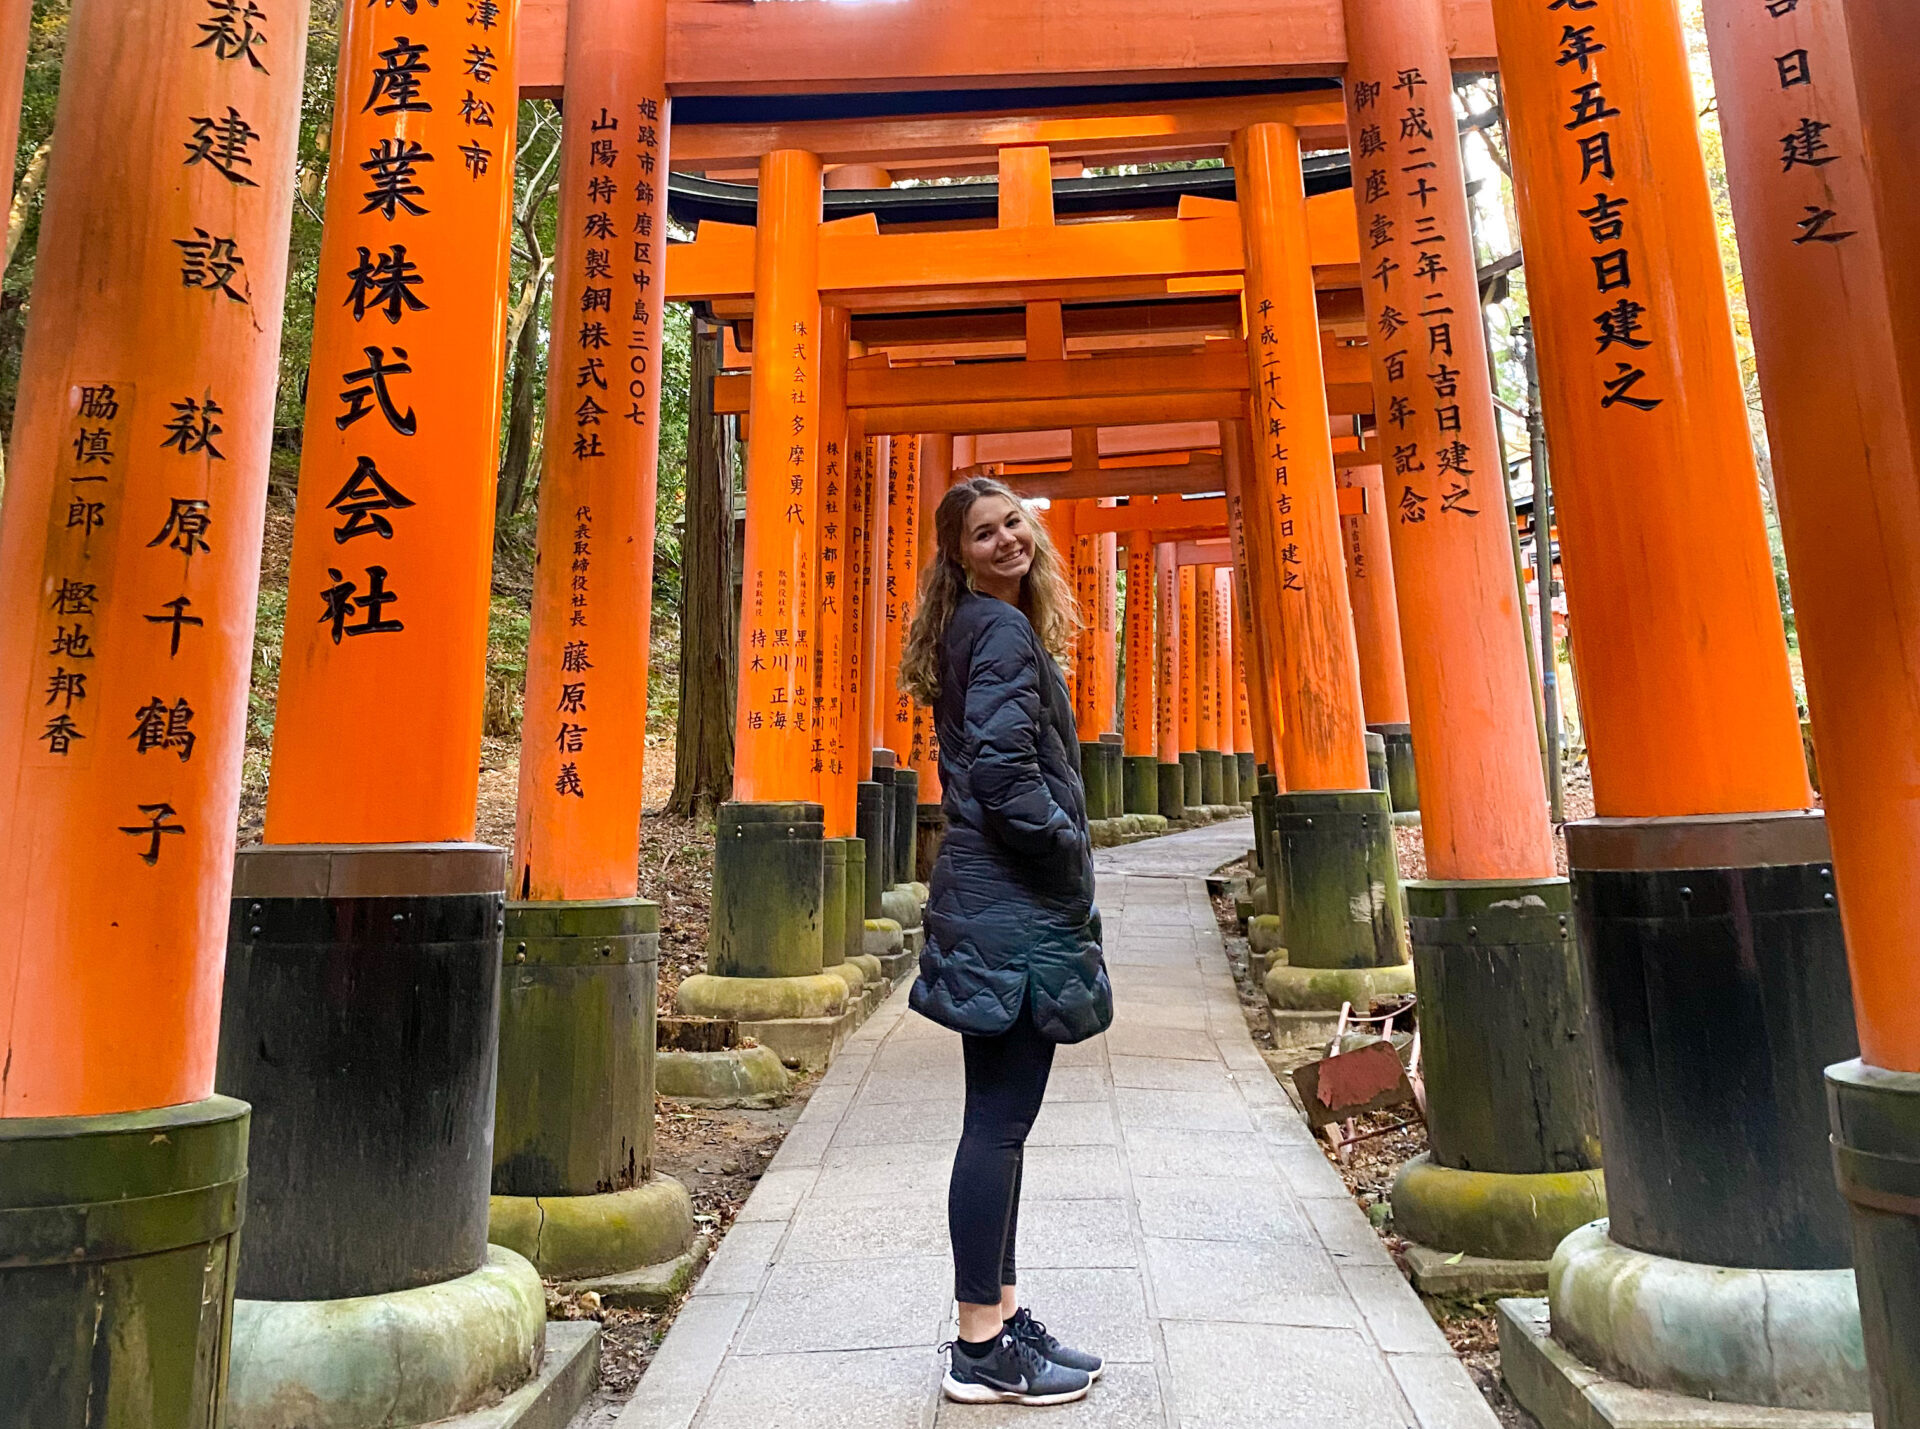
{"type": "Point", "coordinates": [1012, 960]}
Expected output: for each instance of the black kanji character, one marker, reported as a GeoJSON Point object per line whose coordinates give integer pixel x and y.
{"type": "Point", "coordinates": [397, 81]}
{"type": "Point", "coordinates": [99, 403]}
{"type": "Point", "coordinates": [1603, 219]}
{"type": "Point", "coordinates": [385, 284]}
{"type": "Point", "coordinates": [192, 428]}
{"type": "Point", "coordinates": [94, 445]}
{"type": "Point", "coordinates": [66, 686]}
{"type": "Point", "coordinates": [231, 33]}
{"type": "Point", "coordinates": [1620, 389]}
{"type": "Point", "coordinates": [186, 528]}
{"type": "Point", "coordinates": [210, 263]}
{"type": "Point", "coordinates": [73, 597]}
{"type": "Point", "coordinates": [395, 167]}
{"type": "Point", "coordinates": [343, 601]}
{"type": "Point", "coordinates": [477, 112]}
{"type": "Point", "coordinates": [569, 782]}
{"type": "Point", "coordinates": [573, 658]}
{"type": "Point", "coordinates": [156, 725]}
{"type": "Point", "coordinates": [176, 617]}
{"type": "Point", "coordinates": [1619, 323]}
{"type": "Point", "coordinates": [60, 734]}
{"type": "Point", "coordinates": [372, 380]}
{"type": "Point", "coordinates": [362, 501]}
{"type": "Point", "coordinates": [221, 144]}
{"type": "Point", "coordinates": [1806, 146]}
{"type": "Point", "coordinates": [1577, 46]}
{"type": "Point", "coordinates": [155, 829]}
{"type": "Point", "coordinates": [1813, 228]}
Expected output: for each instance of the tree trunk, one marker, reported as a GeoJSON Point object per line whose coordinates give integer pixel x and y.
{"type": "Point", "coordinates": [24, 194]}
{"type": "Point", "coordinates": [518, 462]}
{"type": "Point", "coordinates": [703, 770]}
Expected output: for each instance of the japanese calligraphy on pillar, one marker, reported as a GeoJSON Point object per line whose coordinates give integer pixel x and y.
{"type": "Point", "coordinates": [827, 750]}
{"type": "Point", "coordinates": [853, 579]}
{"type": "Point", "coordinates": [1167, 586]}
{"type": "Point", "coordinates": [903, 532]}
{"type": "Point", "coordinates": [392, 537]}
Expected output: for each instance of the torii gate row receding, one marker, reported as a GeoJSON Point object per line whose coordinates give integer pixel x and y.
{"type": "Point", "coordinates": [146, 406]}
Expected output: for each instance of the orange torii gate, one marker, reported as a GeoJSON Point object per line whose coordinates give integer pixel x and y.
{"type": "Point", "coordinates": [1709, 923]}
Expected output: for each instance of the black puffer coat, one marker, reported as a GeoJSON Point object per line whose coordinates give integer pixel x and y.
{"type": "Point", "coordinates": [1010, 907]}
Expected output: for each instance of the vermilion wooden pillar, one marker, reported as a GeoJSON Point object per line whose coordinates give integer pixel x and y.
{"type": "Point", "coordinates": [875, 561]}
{"type": "Point", "coordinates": [1140, 735]}
{"type": "Point", "coordinates": [1249, 524]}
{"type": "Point", "coordinates": [16, 32]}
{"type": "Point", "coordinates": [1703, 893]}
{"type": "Point", "coordinates": [1819, 135]}
{"type": "Point", "coordinates": [1106, 645]}
{"type": "Point", "coordinates": [1225, 685]}
{"type": "Point", "coordinates": [936, 475]}
{"type": "Point", "coordinates": [1462, 680]}
{"type": "Point", "coordinates": [894, 707]}
{"type": "Point", "coordinates": [1245, 741]}
{"type": "Point", "coordinates": [1338, 895]}
{"type": "Point", "coordinates": [129, 564]}
{"type": "Point", "coordinates": [1189, 684]}
{"type": "Point", "coordinates": [1168, 669]}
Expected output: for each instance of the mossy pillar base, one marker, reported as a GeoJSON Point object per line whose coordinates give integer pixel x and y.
{"type": "Point", "coordinates": [1114, 755]}
{"type": "Point", "coordinates": [118, 1239]}
{"type": "Point", "coordinates": [1249, 776]}
{"type": "Point", "coordinates": [1230, 780]}
{"type": "Point", "coordinates": [932, 824]}
{"type": "Point", "coordinates": [1194, 780]}
{"type": "Point", "coordinates": [1141, 776]}
{"type": "Point", "coordinates": [574, 1111]}
{"type": "Point", "coordinates": [1512, 1113]}
{"type": "Point", "coordinates": [1263, 851]}
{"type": "Point", "coordinates": [854, 926]}
{"type": "Point", "coordinates": [1403, 783]}
{"type": "Point", "coordinates": [362, 1022]}
{"type": "Point", "coordinates": [1338, 880]}
{"type": "Point", "coordinates": [1173, 791]}
{"type": "Point", "coordinates": [906, 825]}
{"type": "Point", "coordinates": [1716, 975]}
{"type": "Point", "coordinates": [1093, 775]}
{"type": "Point", "coordinates": [1876, 1149]}
{"type": "Point", "coordinates": [871, 809]}
{"type": "Point", "coordinates": [1213, 788]}
{"type": "Point", "coordinates": [833, 902]}
{"type": "Point", "coordinates": [768, 890]}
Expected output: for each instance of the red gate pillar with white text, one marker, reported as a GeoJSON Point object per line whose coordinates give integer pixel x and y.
{"type": "Point", "coordinates": [370, 897]}
{"type": "Point", "coordinates": [573, 1129]}
{"type": "Point", "coordinates": [765, 943]}
{"type": "Point", "coordinates": [129, 566]}
{"type": "Point", "coordinates": [1339, 885]}
{"type": "Point", "coordinates": [1141, 780]}
{"type": "Point", "coordinates": [1168, 666]}
{"type": "Point", "coordinates": [1820, 145]}
{"type": "Point", "coordinates": [1515, 1136]}
{"type": "Point", "coordinates": [1703, 893]}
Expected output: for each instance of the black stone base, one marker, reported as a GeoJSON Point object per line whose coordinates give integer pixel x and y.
{"type": "Point", "coordinates": [1212, 782]}
{"type": "Point", "coordinates": [117, 1245]}
{"type": "Point", "coordinates": [1173, 791]}
{"type": "Point", "coordinates": [1376, 763]}
{"type": "Point", "coordinates": [1195, 780]}
{"type": "Point", "coordinates": [855, 922]}
{"type": "Point", "coordinates": [1503, 1023]}
{"type": "Point", "coordinates": [1717, 978]}
{"type": "Point", "coordinates": [873, 821]}
{"type": "Point", "coordinates": [1403, 784]}
{"type": "Point", "coordinates": [906, 824]}
{"type": "Point", "coordinates": [1337, 880]}
{"type": "Point", "coordinates": [1249, 776]}
{"type": "Point", "coordinates": [768, 890]}
{"type": "Point", "coordinates": [1230, 794]}
{"type": "Point", "coordinates": [574, 1111]}
{"type": "Point", "coordinates": [1142, 780]}
{"type": "Point", "coordinates": [1876, 1151]}
{"type": "Point", "coordinates": [361, 1020]}
{"type": "Point", "coordinates": [835, 907]}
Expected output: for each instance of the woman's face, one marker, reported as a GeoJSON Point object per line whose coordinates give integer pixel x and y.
{"type": "Point", "coordinates": [996, 546]}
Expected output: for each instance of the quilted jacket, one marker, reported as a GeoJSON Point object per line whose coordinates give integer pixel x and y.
{"type": "Point", "coordinates": [1010, 908]}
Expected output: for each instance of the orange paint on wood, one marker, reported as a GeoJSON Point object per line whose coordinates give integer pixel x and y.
{"type": "Point", "coordinates": [1106, 645]}
{"type": "Point", "coordinates": [772, 730]}
{"type": "Point", "coordinates": [827, 750]}
{"type": "Point", "coordinates": [1677, 642]}
{"type": "Point", "coordinates": [1206, 629]}
{"type": "Point", "coordinates": [583, 742]}
{"type": "Point", "coordinates": [393, 531]}
{"type": "Point", "coordinates": [1190, 644]}
{"type": "Point", "coordinates": [1166, 584]}
{"type": "Point", "coordinates": [894, 706]}
{"type": "Point", "coordinates": [1370, 585]}
{"type": "Point", "coordinates": [1244, 739]}
{"type": "Point", "coordinates": [1821, 287]}
{"type": "Point", "coordinates": [873, 620]}
{"type": "Point", "coordinates": [936, 475]}
{"type": "Point", "coordinates": [1138, 725]}
{"type": "Point", "coordinates": [1324, 738]}
{"type": "Point", "coordinates": [16, 30]}
{"type": "Point", "coordinates": [130, 552]}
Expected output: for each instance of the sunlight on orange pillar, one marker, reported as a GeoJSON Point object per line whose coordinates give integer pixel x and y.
{"type": "Point", "coordinates": [1206, 670]}
{"type": "Point", "coordinates": [1139, 734]}
{"type": "Point", "coordinates": [1166, 582]}
{"type": "Point", "coordinates": [1324, 740]}
{"type": "Point", "coordinates": [1106, 644]}
{"type": "Point", "coordinates": [936, 475]}
{"type": "Point", "coordinates": [388, 591]}
{"type": "Point", "coordinates": [878, 459]}
{"type": "Point", "coordinates": [1370, 585]}
{"type": "Point", "coordinates": [1223, 681]}
{"type": "Point", "coordinates": [1463, 680]}
{"type": "Point", "coordinates": [1844, 455]}
{"type": "Point", "coordinates": [584, 730]}
{"type": "Point", "coordinates": [828, 747]}
{"type": "Point", "coordinates": [771, 759]}
{"type": "Point", "coordinates": [130, 553]}
{"type": "Point", "coordinates": [1189, 662]}
{"type": "Point", "coordinates": [1677, 642]}
{"type": "Point", "coordinates": [894, 706]}
{"type": "Point", "coordinates": [1247, 528]}
{"type": "Point", "coordinates": [16, 31]}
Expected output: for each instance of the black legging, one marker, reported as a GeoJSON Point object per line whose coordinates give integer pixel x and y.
{"type": "Point", "coordinates": [1006, 1082]}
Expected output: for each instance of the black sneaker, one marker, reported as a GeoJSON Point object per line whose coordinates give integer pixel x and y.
{"type": "Point", "coordinates": [1024, 1327]}
{"type": "Point", "coordinates": [1012, 1372]}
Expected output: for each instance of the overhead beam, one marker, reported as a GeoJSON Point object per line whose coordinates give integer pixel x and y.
{"type": "Point", "coordinates": [1076, 262]}
{"type": "Point", "coordinates": [731, 48]}
{"type": "Point", "coordinates": [1131, 439]}
{"type": "Point", "coordinates": [1202, 476]}
{"type": "Point", "coordinates": [1205, 515]}
{"type": "Point", "coordinates": [1203, 553]}
{"type": "Point", "coordinates": [1094, 134]}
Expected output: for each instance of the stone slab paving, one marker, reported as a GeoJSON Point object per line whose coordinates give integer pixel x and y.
{"type": "Point", "coordinates": [1178, 1218]}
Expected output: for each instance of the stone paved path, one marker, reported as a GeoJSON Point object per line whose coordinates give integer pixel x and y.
{"type": "Point", "coordinates": [1178, 1217]}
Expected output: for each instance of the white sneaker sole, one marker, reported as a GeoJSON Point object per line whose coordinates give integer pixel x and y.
{"type": "Point", "coordinates": [961, 1393]}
